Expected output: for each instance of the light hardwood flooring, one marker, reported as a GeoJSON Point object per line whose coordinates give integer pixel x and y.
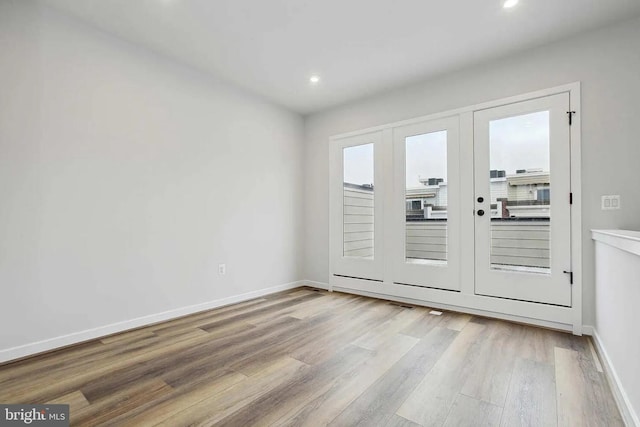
{"type": "Point", "coordinates": [314, 358]}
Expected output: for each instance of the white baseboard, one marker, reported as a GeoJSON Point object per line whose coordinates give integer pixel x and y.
{"type": "Point", "coordinates": [587, 330]}
{"type": "Point", "coordinates": [19, 352]}
{"type": "Point", "coordinates": [629, 415]}
{"type": "Point", "coordinates": [319, 285]}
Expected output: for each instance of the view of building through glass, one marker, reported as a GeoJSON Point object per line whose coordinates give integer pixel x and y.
{"type": "Point", "coordinates": [520, 193]}
{"type": "Point", "coordinates": [520, 196]}
{"type": "Point", "coordinates": [426, 198]}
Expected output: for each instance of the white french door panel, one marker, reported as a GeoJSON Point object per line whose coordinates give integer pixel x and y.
{"type": "Point", "coordinates": [426, 204]}
{"type": "Point", "coordinates": [522, 156]}
{"type": "Point", "coordinates": [356, 197]}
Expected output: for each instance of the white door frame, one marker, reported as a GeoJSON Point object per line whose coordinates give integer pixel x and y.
{"type": "Point", "coordinates": [566, 318]}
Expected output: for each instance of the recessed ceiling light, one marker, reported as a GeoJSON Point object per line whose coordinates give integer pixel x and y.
{"type": "Point", "coordinates": [314, 80]}
{"type": "Point", "coordinates": [510, 3]}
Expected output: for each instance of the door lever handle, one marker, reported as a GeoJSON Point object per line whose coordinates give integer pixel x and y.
{"type": "Point", "coordinates": [570, 273]}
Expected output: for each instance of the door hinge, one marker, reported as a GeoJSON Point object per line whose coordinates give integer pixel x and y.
{"type": "Point", "coordinates": [570, 273]}
{"type": "Point", "coordinates": [571, 113]}
{"type": "Point", "coordinates": [570, 198]}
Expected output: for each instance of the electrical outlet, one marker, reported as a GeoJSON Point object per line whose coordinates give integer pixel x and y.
{"type": "Point", "coordinates": [615, 202]}
{"type": "Point", "coordinates": [610, 202]}
{"type": "Point", "coordinates": [222, 269]}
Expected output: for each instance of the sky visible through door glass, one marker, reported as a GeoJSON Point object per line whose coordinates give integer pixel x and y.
{"type": "Point", "coordinates": [528, 132]}
{"type": "Point", "coordinates": [520, 142]}
{"type": "Point", "coordinates": [358, 164]}
{"type": "Point", "coordinates": [426, 156]}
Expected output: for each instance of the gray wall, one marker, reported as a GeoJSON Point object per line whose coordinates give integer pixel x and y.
{"type": "Point", "coordinates": [125, 179]}
{"type": "Point", "coordinates": [607, 62]}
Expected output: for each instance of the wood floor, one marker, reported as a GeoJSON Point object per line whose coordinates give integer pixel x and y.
{"type": "Point", "coordinates": [313, 358]}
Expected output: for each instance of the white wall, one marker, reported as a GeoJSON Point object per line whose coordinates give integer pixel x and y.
{"type": "Point", "coordinates": [607, 62]}
{"type": "Point", "coordinates": [125, 179]}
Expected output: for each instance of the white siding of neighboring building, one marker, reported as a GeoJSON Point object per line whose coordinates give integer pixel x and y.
{"type": "Point", "coordinates": [522, 192]}
{"type": "Point", "coordinates": [358, 223]}
{"type": "Point", "coordinates": [515, 244]}
{"type": "Point", "coordinates": [521, 243]}
{"type": "Point", "coordinates": [512, 244]}
{"type": "Point", "coordinates": [442, 196]}
{"type": "Point", "coordinates": [498, 189]}
{"type": "Point", "coordinates": [426, 240]}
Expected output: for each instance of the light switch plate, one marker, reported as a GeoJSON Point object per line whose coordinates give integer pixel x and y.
{"type": "Point", "coordinates": [610, 202]}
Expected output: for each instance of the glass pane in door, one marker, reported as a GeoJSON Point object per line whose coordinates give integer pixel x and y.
{"type": "Point", "coordinates": [358, 192]}
{"type": "Point", "coordinates": [520, 190]}
{"type": "Point", "coordinates": [426, 198]}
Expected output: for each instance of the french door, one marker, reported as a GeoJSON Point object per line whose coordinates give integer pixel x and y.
{"type": "Point", "coordinates": [401, 196]}
{"type": "Point", "coordinates": [426, 219]}
{"type": "Point", "coordinates": [522, 207]}
{"type": "Point", "coordinates": [356, 198]}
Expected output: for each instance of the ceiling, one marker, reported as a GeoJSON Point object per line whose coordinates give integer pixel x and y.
{"type": "Point", "coordinates": [357, 47]}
